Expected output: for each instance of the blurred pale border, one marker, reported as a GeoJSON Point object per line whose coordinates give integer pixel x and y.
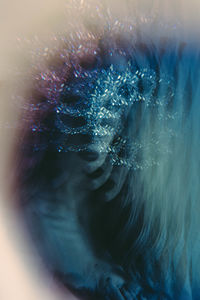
{"type": "Point", "coordinates": [20, 274]}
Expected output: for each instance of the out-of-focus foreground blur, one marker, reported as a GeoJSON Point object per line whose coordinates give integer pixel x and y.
{"type": "Point", "coordinates": [21, 274]}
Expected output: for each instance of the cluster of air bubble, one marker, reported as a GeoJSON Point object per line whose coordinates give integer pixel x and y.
{"type": "Point", "coordinates": [105, 98]}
